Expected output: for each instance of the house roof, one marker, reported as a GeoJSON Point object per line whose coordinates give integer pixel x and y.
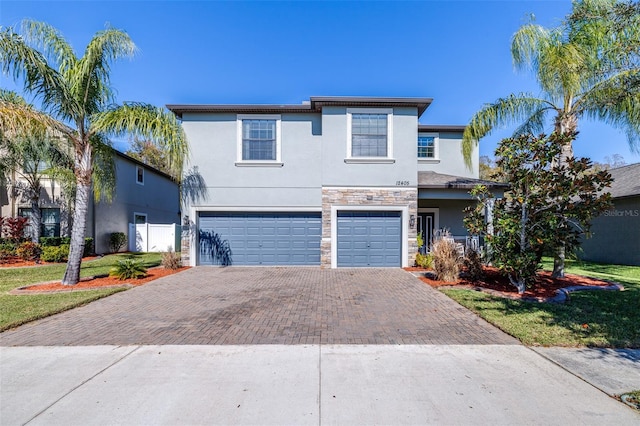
{"type": "Point", "coordinates": [439, 180]}
{"type": "Point", "coordinates": [315, 104]}
{"type": "Point", "coordinates": [626, 181]}
{"type": "Point", "coordinates": [140, 163]}
{"type": "Point", "coordinates": [440, 128]}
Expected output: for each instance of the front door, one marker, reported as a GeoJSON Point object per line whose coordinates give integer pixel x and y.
{"type": "Point", "coordinates": [426, 223]}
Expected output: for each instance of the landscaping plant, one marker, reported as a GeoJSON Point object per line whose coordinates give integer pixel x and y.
{"type": "Point", "coordinates": [473, 264]}
{"type": "Point", "coordinates": [13, 228]}
{"type": "Point", "coordinates": [422, 260]}
{"type": "Point", "coordinates": [549, 205]}
{"type": "Point", "coordinates": [171, 260]}
{"type": "Point", "coordinates": [57, 254]}
{"type": "Point", "coordinates": [128, 269]}
{"type": "Point", "coordinates": [117, 240]}
{"type": "Point", "coordinates": [446, 258]}
{"type": "Point", "coordinates": [29, 251]}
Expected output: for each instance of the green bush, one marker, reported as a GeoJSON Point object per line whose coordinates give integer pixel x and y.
{"type": "Point", "coordinates": [473, 264]}
{"type": "Point", "coordinates": [55, 254]}
{"type": "Point", "coordinates": [9, 248]}
{"type": "Point", "coordinates": [50, 241]}
{"type": "Point", "coordinates": [117, 240]}
{"type": "Point", "coordinates": [128, 269]}
{"type": "Point", "coordinates": [88, 247]}
{"type": "Point", "coordinates": [5, 255]}
{"type": "Point", "coordinates": [424, 260]}
{"type": "Point", "coordinates": [28, 251]}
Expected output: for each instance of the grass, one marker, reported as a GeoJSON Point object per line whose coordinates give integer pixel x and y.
{"type": "Point", "coordinates": [593, 318]}
{"type": "Point", "coordinates": [19, 309]}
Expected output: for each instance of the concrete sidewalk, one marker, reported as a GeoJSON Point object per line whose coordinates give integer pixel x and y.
{"type": "Point", "coordinates": [296, 384]}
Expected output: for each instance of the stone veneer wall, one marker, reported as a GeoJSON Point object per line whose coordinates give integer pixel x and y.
{"type": "Point", "coordinates": [185, 248]}
{"type": "Point", "coordinates": [365, 197]}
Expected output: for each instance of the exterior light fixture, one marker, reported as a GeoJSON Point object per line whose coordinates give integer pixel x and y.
{"type": "Point", "coordinates": [412, 221]}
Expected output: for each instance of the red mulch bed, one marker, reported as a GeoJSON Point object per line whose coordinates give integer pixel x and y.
{"type": "Point", "coordinates": [101, 282]}
{"type": "Point", "coordinates": [16, 262]}
{"type": "Point", "coordinates": [544, 287]}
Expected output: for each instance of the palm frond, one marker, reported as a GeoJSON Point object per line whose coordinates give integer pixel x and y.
{"type": "Point", "coordinates": [149, 122]}
{"type": "Point", "coordinates": [24, 62]}
{"type": "Point", "coordinates": [527, 44]}
{"type": "Point", "coordinates": [104, 169]}
{"type": "Point", "coordinates": [17, 118]}
{"type": "Point", "coordinates": [512, 109]}
{"type": "Point", "coordinates": [89, 79]}
{"type": "Point", "coordinates": [50, 42]}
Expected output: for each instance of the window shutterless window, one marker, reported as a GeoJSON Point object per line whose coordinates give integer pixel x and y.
{"type": "Point", "coordinates": [369, 135]}
{"type": "Point", "coordinates": [426, 146]}
{"type": "Point", "coordinates": [140, 175]}
{"type": "Point", "coordinates": [259, 140]}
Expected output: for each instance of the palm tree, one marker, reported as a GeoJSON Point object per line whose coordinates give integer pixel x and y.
{"type": "Point", "coordinates": [77, 100]}
{"type": "Point", "coordinates": [587, 67]}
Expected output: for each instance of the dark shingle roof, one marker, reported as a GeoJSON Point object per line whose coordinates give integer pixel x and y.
{"type": "Point", "coordinates": [439, 180]}
{"type": "Point", "coordinates": [314, 104]}
{"type": "Point", "coordinates": [626, 181]}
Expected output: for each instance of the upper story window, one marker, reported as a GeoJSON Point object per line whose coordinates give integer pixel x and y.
{"type": "Point", "coordinates": [428, 147]}
{"type": "Point", "coordinates": [369, 136]}
{"type": "Point", "coordinates": [259, 140]}
{"type": "Point", "coordinates": [140, 175]}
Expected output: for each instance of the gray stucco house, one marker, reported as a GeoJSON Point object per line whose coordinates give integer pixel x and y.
{"type": "Point", "coordinates": [143, 195]}
{"type": "Point", "coordinates": [615, 234]}
{"type": "Point", "coordinates": [334, 181]}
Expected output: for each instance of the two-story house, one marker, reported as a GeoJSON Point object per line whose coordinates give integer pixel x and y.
{"type": "Point", "coordinates": [335, 181]}
{"type": "Point", "coordinates": [143, 194]}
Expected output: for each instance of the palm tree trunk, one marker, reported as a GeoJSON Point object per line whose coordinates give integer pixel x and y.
{"type": "Point", "coordinates": [72, 273]}
{"type": "Point", "coordinates": [36, 220]}
{"type": "Point", "coordinates": [565, 126]}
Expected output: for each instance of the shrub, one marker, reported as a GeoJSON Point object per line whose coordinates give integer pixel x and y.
{"type": "Point", "coordinates": [5, 255]}
{"type": "Point", "coordinates": [65, 240]}
{"type": "Point", "coordinates": [424, 260]}
{"type": "Point", "coordinates": [9, 247]}
{"type": "Point", "coordinates": [473, 264]}
{"type": "Point", "coordinates": [128, 269]}
{"type": "Point", "coordinates": [446, 259]}
{"type": "Point", "coordinates": [171, 260]}
{"type": "Point", "coordinates": [50, 241]}
{"type": "Point", "coordinates": [117, 240]}
{"type": "Point", "coordinates": [88, 247]}
{"type": "Point", "coordinates": [29, 251]}
{"type": "Point", "coordinates": [55, 254]}
{"type": "Point", "coordinates": [13, 227]}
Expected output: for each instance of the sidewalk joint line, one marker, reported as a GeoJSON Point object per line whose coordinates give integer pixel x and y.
{"type": "Point", "coordinates": [82, 384]}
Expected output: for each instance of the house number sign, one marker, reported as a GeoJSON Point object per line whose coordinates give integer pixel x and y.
{"type": "Point", "coordinates": [402, 183]}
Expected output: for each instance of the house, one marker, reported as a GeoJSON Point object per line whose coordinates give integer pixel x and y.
{"type": "Point", "coordinates": [334, 181]}
{"type": "Point", "coordinates": [615, 234]}
{"type": "Point", "coordinates": [142, 194]}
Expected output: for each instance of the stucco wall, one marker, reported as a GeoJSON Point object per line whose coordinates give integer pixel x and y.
{"type": "Point", "coordinates": [214, 149]}
{"type": "Point", "coordinates": [158, 198]}
{"type": "Point", "coordinates": [337, 172]}
{"type": "Point", "coordinates": [450, 214]}
{"type": "Point", "coordinates": [615, 235]}
{"type": "Point", "coordinates": [449, 159]}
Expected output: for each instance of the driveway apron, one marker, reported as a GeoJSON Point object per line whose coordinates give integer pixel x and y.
{"type": "Point", "coordinates": [240, 305]}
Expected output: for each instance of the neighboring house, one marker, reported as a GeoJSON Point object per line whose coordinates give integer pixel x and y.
{"type": "Point", "coordinates": [336, 181]}
{"type": "Point", "coordinates": [615, 234]}
{"type": "Point", "coordinates": [143, 194]}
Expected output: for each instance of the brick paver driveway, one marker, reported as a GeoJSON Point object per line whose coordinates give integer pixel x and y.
{"type": "Point", "coordinates": [238, 305]}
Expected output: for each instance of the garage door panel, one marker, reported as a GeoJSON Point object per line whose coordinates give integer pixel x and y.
{"type": "Point", "coordinates": [369, 239]}
{"type": "Point", "coordinates": [266, 238]}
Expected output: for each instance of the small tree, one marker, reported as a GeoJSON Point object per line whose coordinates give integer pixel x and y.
{"type": "Point", "coordinates": [549, 205]}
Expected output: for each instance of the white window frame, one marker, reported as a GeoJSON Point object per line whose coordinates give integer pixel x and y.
{"type": "Point", "coordinates": [259, 163]}
{"type": "Point", "coordinates": [436, 149]}
{"type": "Point", "coordinates": [137, 181]}
{"type": "Point", "coordinates": [146, 218]}
{"type": "Point", "coordinates": [370, 160]}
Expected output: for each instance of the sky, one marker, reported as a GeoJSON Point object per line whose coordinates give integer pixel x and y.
{"type": "Point", "coordinates": [279, 52]}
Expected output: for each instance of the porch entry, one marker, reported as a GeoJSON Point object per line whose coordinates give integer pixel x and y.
{"type": "Point", "coordinates": [426, 225]}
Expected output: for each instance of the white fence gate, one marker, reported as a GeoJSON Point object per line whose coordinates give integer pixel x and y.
{"type": "Point", "coordinates": [152, 237]}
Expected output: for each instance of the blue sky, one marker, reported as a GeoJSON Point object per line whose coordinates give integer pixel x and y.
{"type": "Point", "coordinates": [456, 52]}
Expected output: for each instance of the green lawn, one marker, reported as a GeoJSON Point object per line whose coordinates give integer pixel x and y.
{"type": "Point", "coordinates": [19, 309]}
{"type": "Point", "coordinates": [590, 318]}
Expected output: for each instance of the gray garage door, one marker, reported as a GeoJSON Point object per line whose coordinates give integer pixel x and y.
{"type": "Point", "coordinates": [260, 238]}
{"type": "Point", "coordinates": [369, 239]}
